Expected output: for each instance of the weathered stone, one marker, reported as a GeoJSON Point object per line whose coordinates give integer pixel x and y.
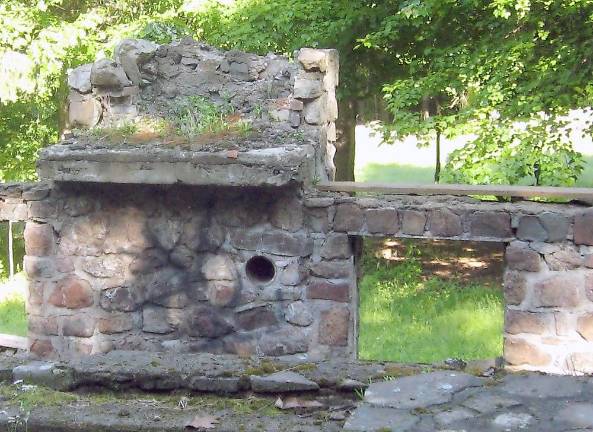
{"type": "Point", "coordinates": [208, 322]}
{"type": "Point", "coordinates": [166, 233]}
{"type": "Point", "coordinates": [133, 53]}
{"type": "Point", "coordinates": [453, 415]}
{"type": "Point", "coordinates": [256, 317]}
{"type": "Point", "coordinates": [559, 290]}
{"type": "Point", "coordinates": [38, 268]}
{"type": "Point", "coordinates": [116, 323]}
{"type": "Point", "coordinates": [46, 374]}
{"type": "Point", "coordinates": [520, 352]}
{"type": "Point", "coordinates": [515, 287]}
{"type": "Point", "coordinates": [565, 259]}
{"type": "Point", "coordinates": [173, 301]}
{"type": "Point", "coordinates": [298, 313]}
{"type": "Point", "coordinates": [42, 348]}
{"type": "Point", "coordinates": [332, 269]}
{"type": "Point", "coordinates": [576, 415]}
{"type": "Point", "coordinates": [219, 267]}
{"type": "Point", "coordinates": [222, 292]}
{"type": "Point", "coordinates": [118, 299]}
{"type": "Point", "coordinates": [445, 223]}
{"type": "Point", "coordinates": [220, 385]}
{"type": "Point", "coordinates": [282, 382]}
{"type": "Point", "coordinates": [583, 228]}
{"type": "Point", "coordinates": [419, 391]}
{"type": "Point", "coordinates": [491, 224]}
{"type": "Point", "coordinates": [369, 418]}
{"type": "Point", "coordinates": [292, 275]}
{"type": "Point", "coordinates": [79, 78]}
{"type": "Point", "coordinates": [39, 239]}
{"type": "Point", "coordinates": [513, 421]}
{"type": "Point", "coordinates": [182, 257]}
{"type": "Point", "coordinates": [43, 325]}
{"type": "Point", "coordinates": [307, 87]}
{"type": "Point", "coordinates": [72, 293]}
{"type": "Point", "coordinates": [317, 219]}
{"type": "Point", "coordinates": [37, 192]}
{"type": "Point", "coordinates": [287, 215]}
{"type": "Point", "coordinates": [531, 229]}
{"type": "Point", "coordinates": [41, 209]}
{"type": "Point", "coordinates": [336, 246]}
{"type": "Point", "coordinates": [107, 73]}
{"type": "Point", "coordinates": [521, 257]}
{"type": "Point", "coordinates": [413, 222]}
{"type": "Point", "coordinates": [580, 362]}
{"type": "Point", "coordinates": [150, 260]}
{"type": "Point", "coordinates": [526, 322]}
{"type": "Point", "coordinates": [78, 325]}
{"type": "Point", "coordinates": [339, 292]}
{"type": "Point", "coordinates": [585, 326]}
{"type": "Point", "coordinates": [107, 266]}
{"type": "Point", "coordinates": [382, 221]}
{"type": "Point", "coordinates": [86, 236]}
{"type": "Point", "coordinates": [556, 226]}
{"type": "Point", "coordinates": [84, 111]}
{"type": "Point", "coordinates": [284, 341]}
{"type": "Point", "coordinates": [283, 243]}
{"type": "Point", "coordinates": [313, 59]}
{"type": "Point", "coordinates": [348, 218]}
{"type": "Point", "coordinates": [201, 239]}
{"type": "Point", "coordinates": [334, 326]}
{"type": "Point", "coordinates": [541, 386]}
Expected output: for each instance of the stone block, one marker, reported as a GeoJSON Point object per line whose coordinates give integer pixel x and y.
{"type": "Point", "coordinates": [413, 222]}
{"type": "Point", "coordinates": [41, 210]}
{"type": "Point", "coordinates": [116, 323]}
{"type": "Point", "coordinates": [287, 214]}
{"type": "Point", "coordinates": [527, 322]}
{"type": "Point", "coordinates": [72, 293]}
{"type": "Point", "coordinates": [565, 259]}
{"type": "Point", "coordinates": [336, 246]}
{"type": "Point", "coordinates": [491, 224]}
{"type": "Point", "coordinates": [222, 292]}
{"type": "Point", "coordinates": [39, 239]}
{"type": "Point", "coordinates": [317, 219]}
{"type": "Point", "coordinates": [42, 348]}
{"type": "Point", "coordinates": [558, 290]}
{"type": "Point", "coordinates": [308, 87]}
{"type": "Point", "coordinates": [174, 301]}
{"type": "Point", "coordinates": [106, 266]}
{"type": "Point", "coordinates": [313, 59]}
{"type": "Point", "coordinates": [157, 320]}
{"type": "Point", "coordinates": [445, 223]}
{"type": "Point", "coordinates": [332, 269]}
{"type": "Point", "coordinates": [521, 257]}
{"type": "Point", "coordinates": [119, 299]}
{"type": "Point", "coordinates": [515, 287]}
{"type": "Point", "coordinates": [338, 292]}
{"type": "Point", "coordinates": [287, 244]}
{"type": "Point", "coordinates": [78, 326]}
{"type": "Point", "coordinates": [348, 218]}
{"type": "Point", "coordinates": [334, 326]}
{"type": "Point", "coordinates": [79, 78]}
{"type": "Point", "coordinates": [583, 228]}
{"type": "Point", "coordinates": [256, 317]}
{"type": "Point", "coordinates": [107, 73]}
{"type": "Point", "coordinates": [208, 322]}
{"type": "Point", "coordinates": [84, 111]}
{"type": "Point", "coordinates": [520, 352]}
{"type": "Point", "coordinates": [531, 229]}
{"type": "Point", "coordinates": [38, 268]}
{"type": "Point", "coordinates": [219, 267]}
{"type": "Point", "coordinates": [585, 327]}
{"type": "Point", "coordinates": [284, 341]}
{"type": "Point", "coordinates": [580, 362]}
{"type": "Point", "coordinates": [149, 261]}
{"type": "Point", "coordinates": [37, 192]}
{"type": "Point", "coordinates": [181, 256]}
{"type": "Point", "coordinates": [292, 275]}
{"type": "Point", "coordinates": [282, 382]}
{"type": "Point", "coordinates": [298, 313]}
{"type": "Point", "coordinates": [556, 226]}
{"type": "Point", "coordinates": [382, 221]}
{"type": "Point", "coordinates": [46, 326]}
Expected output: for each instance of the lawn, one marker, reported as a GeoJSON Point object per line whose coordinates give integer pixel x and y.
{"type": "Point", "coordinates": [407, 316]}
{"type": "Point", "coordinates": [13, 317]}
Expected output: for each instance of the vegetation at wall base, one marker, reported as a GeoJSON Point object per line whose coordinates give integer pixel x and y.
{"type": "Point", "coordinates": [404, 318]}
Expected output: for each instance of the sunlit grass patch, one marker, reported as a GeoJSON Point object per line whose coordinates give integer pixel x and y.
{"type": "Point", "coordinates": [13, 317]}
{"type": "Point", "coordinates": [404, 318]}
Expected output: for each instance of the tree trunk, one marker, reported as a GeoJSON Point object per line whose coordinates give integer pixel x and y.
{"type": "Point", "coordinates": [437, 167]}
{"type": "Point", "coordinates": [346, 144]}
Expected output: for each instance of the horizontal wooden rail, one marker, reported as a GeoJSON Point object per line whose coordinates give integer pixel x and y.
{"type": "Point", "coordinates": [584, 194]}
{"type": "Point", "coordinates": [11, 341]}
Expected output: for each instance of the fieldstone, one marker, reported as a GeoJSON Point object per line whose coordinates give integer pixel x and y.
{"type": "Point", "coordinates": [148, 261]}
{"type": "Point", "coordinates": [445, 223]}
{"type": "Point", "coordinates": [520, 352]}
{"type": "Point", "coordinates": [565, 259]}
{"type": "Point", "coordinates": [339, 292]}
{"type": "Point", "coordinates": [208, 322]}
{"type": "Point", "coordinates": [413, 222]}
{"type": "Point", "coordinates": [292, 274]}
{"type": "Point", "coordinates": [78, 326]}
{"type": "Point", "coordinates": [42, 348]}
{"type": "Point", "coordinates": [419, 391]}
{"type": "Point", "coordinates": [336, 246]}
{"type": "Point", "coordinates": [38, 268]}
{"type": "Point", "coordinates": [107, 266]}
{"type": "Point", "coordinates": [79, 78]}
{"type": "Point", "coordinates": [46, 374]}
{"type": "Point", "coordinates": [287, 214]}
{"type": "Point", "coordinates": [72, 293]}
{"type": "Point", "coordinates": [348, 218]}
{"type": "Point", "coordinates": [288, 244]}
{"type": "Point", "coordinates": [119, 299]}
{"type": "Point", "coordinates": [107, 73]}
{"type": "Point", "coordinates": [531, 229]}
{"type": "Point", "coordinates": [486, 403]}
{"type": "Point", "coordinates": [298, 313]}
{"type": "Point", "coordinates": [351, 385]}
{"type": "Point", "coordinates": [556, 226]}
{"type": "Point", "coordinates": [526, 322]}
{"type": "Point", "coordinates": [332, 269]}
{"type": "Point", "coordinates": [47, 326]}
{"type": "Point", "coordinates": [513, 421]}
{"type": "Point", "coordinates": [559, 290]}
{"type": "Point", "coordinates": [201, 239]}
{"type": "Point", "coordinates": [174, 301]}
{"type": "Point", "coordinates": [313, 59]}
{"type": "Point", "coordinates": [315, 112]}
{"type": "Point", "coordinates": [133, 53]}
{"type": "Point", "coordinates": [39, 239]}
{"type": "Point", "coordinates": [256, 317]}
{"type": "Point", "coordinates": [37, 192]}
{"type": "Point", "coordinates": [382, 221]}
{"type": "Point", "coordinates": [182, 257]}
{"type": "Point", "coordinates": [491, 224]}
{"type": "Point", "coordinates": [334, 326]}
{"type": "Point", "coordinates": [317, 219]}
{"type": "Point", "coordinates": [39, 210]}
{"type": "Point", "coordinates": [219, 385]}
{"type": "Point", "coordinates": [368, 418]}
{"type": "Point", "coordinates": [282, 382]}
{"type": "Point", "coordinates": [308, 86]}
{"type": "Point", "coordinates": [576, 415]}
{"type": "Point", "coordinates": [84, 111]}
{"type": "Point", "coordinates": [222, 292]}
{"type": "Point", "coordinates": [166, 232]}
{"type": "Point", "coordinates": [454, 415]}
{"type": "Point", "coordinates": [284, 341]}
{"type": "Point", "coordinates": [116, 323]}
{"type": "Point", "coordinates": [580, 362]}
{"type": "Point", "coordinates": [521, 257]}
{"type": "Point", "coordinates": [583, 228]}
{"type": "Point", "coordinates": [156, 319]}
{"type": "Point", "coordinates": [219, 268]}
{"type": "Point", "coordinates": [515, 287]}
{"type": "Point", "coordinates": [585, 327]}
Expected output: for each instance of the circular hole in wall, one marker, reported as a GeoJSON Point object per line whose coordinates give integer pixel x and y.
{"type": "Point", "coordinates": [260, 269]}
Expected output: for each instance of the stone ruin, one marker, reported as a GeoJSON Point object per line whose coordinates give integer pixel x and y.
{"type": "Point", "coordinates": [220, 242]}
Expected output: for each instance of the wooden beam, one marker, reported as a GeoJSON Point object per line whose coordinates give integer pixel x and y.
{"type": "Point", "coordinates": [12, 341]}
{"type": "Point", "coordinates": [584, 194]}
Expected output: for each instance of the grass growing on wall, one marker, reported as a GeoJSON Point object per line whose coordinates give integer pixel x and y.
{"type": "Point", "coordinates": [405, 317]}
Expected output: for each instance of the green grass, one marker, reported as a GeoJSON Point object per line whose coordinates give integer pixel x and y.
{"type": "Point", "coordinates": [406, 319]}
{"type": "Point", "coordinates": [13, 318]}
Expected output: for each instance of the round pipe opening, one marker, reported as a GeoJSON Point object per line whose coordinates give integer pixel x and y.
{"type": "Point", "coordinates": [260, 270]}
